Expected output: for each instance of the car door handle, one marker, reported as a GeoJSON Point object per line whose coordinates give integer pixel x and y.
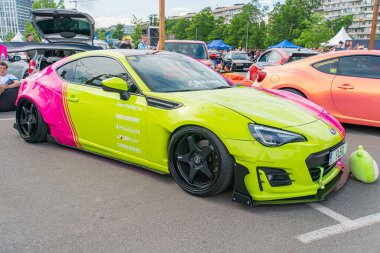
{"type": "Point", "coordinates": [73, 99]}
{"type": "Point", "coordinates": [346, 86]}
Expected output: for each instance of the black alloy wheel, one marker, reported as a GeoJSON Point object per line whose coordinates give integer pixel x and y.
{"type": "Point", "coordinates": [199, 162]}
{"type": "Point", "coordinates": [30, 124]}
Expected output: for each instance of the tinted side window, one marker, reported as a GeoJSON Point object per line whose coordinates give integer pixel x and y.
{"type": "Point", "coordinates": [274, 57]}
{"type": "Point", "coordinates": [360, 66]}
{"type": "Point", "coordinates": [264, 57]}
{"type": "Point", "coordinates": [329, 66]}
{"type": "Point", "coordinates": [93, 70]}
{"type": "Point", "coordinates": [67, 71]}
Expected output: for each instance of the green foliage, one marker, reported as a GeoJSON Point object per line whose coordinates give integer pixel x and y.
{"type": "Point", "coordinates": [102, 33]}
{"type": "Point", "coordinates": [202, 25]}
{"type": "Point", "coordinates": [337, 23]}
{"type": "Point", "coordinates": [136, 36]}
{"type": "Point", "coordinates": [9, 36]}
{"type": "Point", "coordinates": [153, 19]}
{"type": "Point", "coordinates": [30, 29]}
{"type": "Point", "coordinates": [118, 32]}
{"type": "Point", "coordinates": [219, 29]}
{"type": "Point", "coordinates": [317, 31]}
{"type": "Point", "coordinates": [247, 27]}
{"type": "Point", "coordinates": [286, 21]}
{"type": "Point", "coordinates": [180, 29]}
{"type": "Point", "coordinates": [42, 4]}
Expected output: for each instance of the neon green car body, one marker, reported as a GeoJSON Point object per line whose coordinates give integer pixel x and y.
{"type": "Point", "coordinates": [139, 132]}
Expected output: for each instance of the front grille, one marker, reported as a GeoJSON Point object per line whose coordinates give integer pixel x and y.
{"type": "Point", "coordinates": [321, 159]}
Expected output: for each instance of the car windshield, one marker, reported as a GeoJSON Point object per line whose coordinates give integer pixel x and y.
{"type": "Point", "coordinates": [240, 57]}
{"type": "Point", "coordinates": [195, 50]}
{"type": "Point", "coordinates": [163, 72]}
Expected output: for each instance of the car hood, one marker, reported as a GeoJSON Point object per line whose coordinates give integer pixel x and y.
{"type": "Point", "coordinates": [262, 106]}
{"type": "Point", "coordinates": [58, 25]}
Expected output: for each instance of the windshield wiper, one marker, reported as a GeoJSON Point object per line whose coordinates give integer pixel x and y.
{"type": "Point", "coordinates": [222, 87]}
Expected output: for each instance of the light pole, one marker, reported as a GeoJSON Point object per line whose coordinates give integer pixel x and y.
{"type": "Point", "coordinates": [246, 39]}
{"type": "Point", "coordinates": [374, 21]}
{"type": "Point", "coordinates": [161, 40]}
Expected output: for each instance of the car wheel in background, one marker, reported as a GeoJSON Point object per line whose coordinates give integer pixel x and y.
{"type": "Point", "coordinates": [199, 161]}
{"type": "Point", "coordinates": [30, 123]}
{"type": "Point", "coordinates": [297, 92]}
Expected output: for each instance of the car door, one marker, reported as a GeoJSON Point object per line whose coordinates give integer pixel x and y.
{"type": "Point", "coordinates": [356, 89]}
{"type": "Point", "coordinates": [103, 122]}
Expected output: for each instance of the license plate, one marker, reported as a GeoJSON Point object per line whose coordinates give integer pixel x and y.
{"type": "Point", "coordinates": [245, 69]}
{"type": "Point", "coordinates": [338, 153]}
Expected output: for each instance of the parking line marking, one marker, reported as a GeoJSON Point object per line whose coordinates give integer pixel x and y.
{"type": "Point", "coordinates": [9, 119]}
{"type": "Point", "coordinates": [332, 214]}
{"type": "Point", "coordinates": [339, 228]}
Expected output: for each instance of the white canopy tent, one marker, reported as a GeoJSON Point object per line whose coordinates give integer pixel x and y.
{"type": "Point", "coordinates": [1, 40]}
{"type": "Point", "coordinates": [342, 35]}
{"type": "Point", "coordinates": [17, 38]}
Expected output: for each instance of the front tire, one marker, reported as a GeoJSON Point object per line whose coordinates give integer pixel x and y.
{"type": "Point", "coordinates": [199, 162]}
{"type": "Point", "coordinates": [30, 123]}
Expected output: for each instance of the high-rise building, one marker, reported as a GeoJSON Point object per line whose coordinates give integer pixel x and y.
{"type": "Point", "coordinates": [362, 11]}
{"type": "Point", "coordinates": [13, 15]}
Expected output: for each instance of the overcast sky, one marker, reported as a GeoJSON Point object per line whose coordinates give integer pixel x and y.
{"type": "Point", "coordinates": [109, 12]}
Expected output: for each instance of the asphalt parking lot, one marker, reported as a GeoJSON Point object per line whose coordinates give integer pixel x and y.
{"type": "Point", "coordinates": [57, 199]}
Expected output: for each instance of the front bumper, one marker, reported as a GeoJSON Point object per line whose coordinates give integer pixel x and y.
{"type": "Point", "coordinates": [241, 194]}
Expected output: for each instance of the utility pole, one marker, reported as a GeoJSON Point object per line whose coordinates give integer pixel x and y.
{"type": "Point", "coordinates": [374, 21]}
{"type": "Point", "coordinates": [246, 40]}
{"type": "Point", "coordinates": [161, 40]}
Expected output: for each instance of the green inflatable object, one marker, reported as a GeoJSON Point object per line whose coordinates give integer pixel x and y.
{"type": "Point", "coordinates": [363, 166]}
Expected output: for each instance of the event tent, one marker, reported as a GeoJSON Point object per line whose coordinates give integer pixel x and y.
{"type": "Point", "coordinates": [219, 45]}
{"type": "Point", "coordinates": [17, 38]}
{"type": "Point", "coordinates": [285, 44]}
{"type": "Point", "coordinates": [342, 35]}
{"type": "Point", "coordinates": [3, 52]}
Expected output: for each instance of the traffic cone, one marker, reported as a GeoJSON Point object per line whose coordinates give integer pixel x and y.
{"type": "Point", "coordinates": [363, 166]}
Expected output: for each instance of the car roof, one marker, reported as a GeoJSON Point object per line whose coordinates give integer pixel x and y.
{"type": "Point", "coordinates": [185, 41]}
{"type": "Point", "coordinates": [26, 46]}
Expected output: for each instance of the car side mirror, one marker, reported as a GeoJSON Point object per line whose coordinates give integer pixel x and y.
{"type": "Point", "coordinates": [16, 58]}
{"type": "Point", "coordinates": [116, 84]}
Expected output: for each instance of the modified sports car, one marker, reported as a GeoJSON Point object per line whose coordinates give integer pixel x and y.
{"type": "Point", "coordinates": [273, 146]}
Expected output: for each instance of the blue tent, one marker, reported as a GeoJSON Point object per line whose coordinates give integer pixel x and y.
{"type": "Point", "coordinates": [219, 45]}
{"type": "Point", "coordinates": [285, 44]}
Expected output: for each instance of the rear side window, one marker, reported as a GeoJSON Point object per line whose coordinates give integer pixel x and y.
{"type": "Point", "coordinates": [274, 57]}
{"type": "Point", "coordinates": [329, 66]}
{"type": "Point", "coordinates": [264, 57]}
{"type": "Point", "coordinates": [67, 71]}
{"type": "Point", "coordinates": [360, 66]}
{"type": "Point", "coordinates": [93, 70]}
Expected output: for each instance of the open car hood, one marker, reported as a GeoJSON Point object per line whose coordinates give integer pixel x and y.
{"type": "Point", "coordinates": [58, 25]}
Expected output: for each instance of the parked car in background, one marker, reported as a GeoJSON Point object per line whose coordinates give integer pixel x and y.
{"type": "Point", "coordinates": [17, 65]}
{"type": "Point", "coordinates": [193, 48]}
{"type": "Point", "coordinates": [67, 32]}
{"type": "Point", "coordinates": [277, 56]}
{"type": "Point", "coordinates": [346, 83]}
{"type": "Point", "coordinates": [237, 61]}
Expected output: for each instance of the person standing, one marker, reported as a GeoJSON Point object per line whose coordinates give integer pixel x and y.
{"type": "Point", "coordinates": [127, 43]}
{"type": "Point", "coordinates": [340, 46]}
{"type": "Point", "coordinates": [9, 85]}
{"type": "Point", "coordinates": [31, 53]}
{"type": "Point", "coordinates": [143, 44]}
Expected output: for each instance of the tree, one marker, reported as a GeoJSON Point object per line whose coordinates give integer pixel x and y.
{"type": "Point", "coordinates": [219, 30]}
{"type": "Point", "coordinates": [286, 21]}
{"type": "Point", "coordinates": [202, 25]}
{"type": "Point", "coordinates": [180, 29]}
{"type": "Point", "coordinates": [118, 32]}
{"type": "Point", "coordinates": [153, 19]}
{"type": "Point", "coordinates": [136, 36]}
{"type": "Point", "coordinates": [337, 23]}
{"type": "Point", "coordinates": [102, 33]}
{"type": "Point", "coordinates": [250, 21]}
{"type": "Point", "coordinates": [316, 32]}
{"type": "Point", "coordinates": [9, 36]}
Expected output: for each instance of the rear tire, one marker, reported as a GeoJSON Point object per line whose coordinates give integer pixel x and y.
{"type": "Point", "coordinates": [199, 162]}
{"type": "Point", "coordinates": [30, 123]}
{"type": "Point", "coordinates": [294, 91]}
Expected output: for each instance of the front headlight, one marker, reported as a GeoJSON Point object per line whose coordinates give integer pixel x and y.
{"type": "Point", "coordinates": [273, 137]}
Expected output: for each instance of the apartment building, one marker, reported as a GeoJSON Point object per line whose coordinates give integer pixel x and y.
{"type": "Point", "coordinates": [13, 15]}
{"type": "Point", "coordinates": [362, 11]}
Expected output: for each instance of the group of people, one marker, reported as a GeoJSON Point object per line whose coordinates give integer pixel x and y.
{"type": "Point", "coordinates": [126, 44]}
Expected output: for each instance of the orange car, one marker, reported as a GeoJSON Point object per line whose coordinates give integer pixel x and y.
{"type": "Point", "coordinates": [345, 83]}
